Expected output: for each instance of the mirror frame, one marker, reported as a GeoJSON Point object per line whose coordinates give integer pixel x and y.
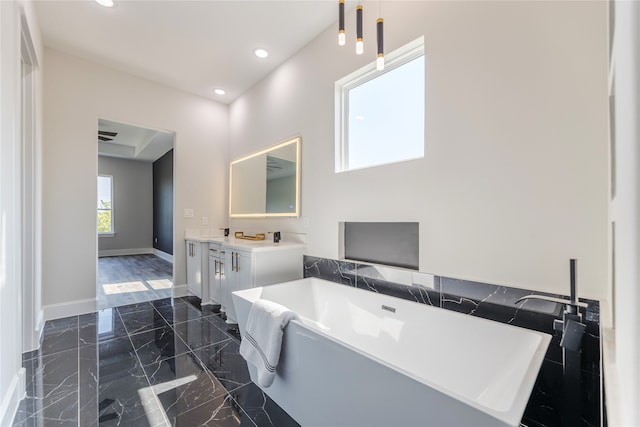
{"type": "Point", "coordinates": [297, 141]}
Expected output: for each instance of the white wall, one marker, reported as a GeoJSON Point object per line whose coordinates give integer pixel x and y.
{"type": "Point", "coordinates": [32, 52]}
{"type": "Point", "coordinates": [514, 179]}
{"type": "Point", "coordinates": [132, 204]}
{"type": "Point", "coordinates": [623, 392]}
{"type": "Point", "coordinates": [10, 248]}
{"type": "Point", "coordinates": [77, 92]}
{"type": "Point", "coordinates": [15, 17]}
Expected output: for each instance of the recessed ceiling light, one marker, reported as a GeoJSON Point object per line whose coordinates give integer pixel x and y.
{"type": "Point", "coordinates": [105, 3]}
{"type": "Point", "coordinates": [219, 91]}
{"type": "Point", "coordinates": [261, 53]}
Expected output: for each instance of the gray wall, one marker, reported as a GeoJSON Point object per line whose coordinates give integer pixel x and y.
{"type": "Point", "coordinates": [132, 204]}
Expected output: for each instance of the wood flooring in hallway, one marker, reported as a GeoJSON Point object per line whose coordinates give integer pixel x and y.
{"type": "Point", "coordinates": [131, 279]}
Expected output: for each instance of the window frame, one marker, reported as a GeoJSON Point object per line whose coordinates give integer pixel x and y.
{"type": "Point", "coordinates": [112, 232]}
{"type": "Point", "coordinates": [393, 60]}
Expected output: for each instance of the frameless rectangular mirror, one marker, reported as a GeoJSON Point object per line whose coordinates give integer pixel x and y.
{"type": "Point", "coordinates": [266, 183]}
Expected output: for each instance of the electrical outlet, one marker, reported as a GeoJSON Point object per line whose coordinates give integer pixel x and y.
{"type": "Point", "coordinates": [305, 222]}
{"type": "Point", "coordinates": [188, 213]}
{"type": "Point", "coordinates": [205, 220]}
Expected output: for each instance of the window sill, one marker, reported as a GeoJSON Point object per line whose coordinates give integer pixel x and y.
{"type": "Point", "coordinates": [106, 234]}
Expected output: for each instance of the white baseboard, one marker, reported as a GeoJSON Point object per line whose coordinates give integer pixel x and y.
{"type": "Point", "coordinates": [165, 256]}
{"type": "Point", "coordinates": [73, 308]}
{"type": "Point", "coordinates": [12, 398]}
{"type": "Point", "coordinates": [180, 291]}
{"type": "Point", "coordinates": [36, 338]}
{"type": "Point", "coordinates": [121, 252]}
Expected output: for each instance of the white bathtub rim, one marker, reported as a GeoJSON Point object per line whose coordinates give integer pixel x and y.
{"type": "Point", "coordinates": [512, 416]}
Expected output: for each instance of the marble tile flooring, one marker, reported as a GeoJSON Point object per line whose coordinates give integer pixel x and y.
{"type": "Point", "coordinates": [132, 279]}
{"type": "Point", "coordinates": [157, 363]}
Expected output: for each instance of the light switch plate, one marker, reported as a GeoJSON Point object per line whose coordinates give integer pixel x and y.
{"type": "Point", "coordinates": [205, 220]}
{"type": "Point", "coordinates": [188, 213]}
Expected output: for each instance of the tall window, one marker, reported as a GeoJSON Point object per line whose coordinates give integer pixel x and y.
{"type": "Point", "coordinates": [105, 205]}
{"type": "Point", "coordinates": [380, 114]}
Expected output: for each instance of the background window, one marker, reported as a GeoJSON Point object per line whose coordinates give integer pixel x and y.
{"type": "Point", "coordinates": [381, 114]}
{"type": "Point", "coordinates": [105, 204]}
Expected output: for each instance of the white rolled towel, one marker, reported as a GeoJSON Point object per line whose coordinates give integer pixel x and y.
{"type": "Point", "coordinates": [262, 340]}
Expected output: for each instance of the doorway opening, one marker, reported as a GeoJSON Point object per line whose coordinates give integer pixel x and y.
{"type": "Point", "coordinates": [134, 214]}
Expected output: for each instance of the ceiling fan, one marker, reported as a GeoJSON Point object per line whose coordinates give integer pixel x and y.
{"type": "Point", "coordinates": [106, 136]}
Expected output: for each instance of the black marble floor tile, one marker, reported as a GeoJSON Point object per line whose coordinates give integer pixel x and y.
{"type": "Point", "coordinates": [38, 421]}
{"type": "Point", "coordinates": [104, 325]}
{"type": "Point", "coordinates": [182, 383]}
{"type": "Point", "coordinates": [132, 308]}
{"type": "Point", "coordinates": [88, 375]}
{"type": "Point", "coordinates": [220, 412]}
{"type": "Point", "coordinates": [58, 369]}
{"type": "Point", "coordinates": [121, 394]}
{"type": "Point", "coordinates": [217, 320]}
{"type": "Point", "coordinates": [263, 411]}
{"type": "Point", "coordinates": [193, 300]}
{"type": "Point", "coordinates": [210, 310]}
{"type": "Point", "coordinates": [30, 355]}
{"type": "Point", "coordinates": [60, 325]}
{"type": "Point", "coordinates": [226, 363]}
{"type": "Point", "coordinates": [60, 335]}
{"type": "Point", "coordinates": [143, 320]}
{"type": "Point", "coordinates": [120, 372]}
{"type": "Point", "coordinates": [52, 387]}
{"type": "Point", "coordinates": [157, 345]}
{"type": "Point", "coordinates": [200, 333]}
{"type": "Point", "coordinates": [116, 349]}
{"type": "Point", "coordinates": [59, 404]}
{"type": "Point", "coordinates": [179, 311]}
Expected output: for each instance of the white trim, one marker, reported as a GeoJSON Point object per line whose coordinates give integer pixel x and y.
{"type": "Point", "coordinates": [121, 252]}
{"type": "Point", "coordinates": [11, 401]}
{"type": "Point", "coordinates": [38, 328]}
{"type": "Point", "coordinates": [73, 308]}
{"type": "Point", "coordinates": [180, 291]}
{"type": "Point", "coordinates": [165, 256]}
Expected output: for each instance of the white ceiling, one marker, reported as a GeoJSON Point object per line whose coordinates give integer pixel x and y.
{"type": "Point", "coordinates": [194, 46]}
{"type": "Point", "coordinates": [133, 142]}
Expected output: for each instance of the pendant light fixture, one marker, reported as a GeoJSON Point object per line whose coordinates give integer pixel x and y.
{"type": "Point", "coordinates": [359, 32]}
{"type": "Point", "coordinates": [380, 39]}
{"type": "Point", "coordinates": [359, 41]}
{"type": "Point", "coordinates": [341, 35]}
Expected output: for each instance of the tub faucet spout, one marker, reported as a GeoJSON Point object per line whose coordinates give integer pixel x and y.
{"type": "Point", "coordinates": [572, 330]}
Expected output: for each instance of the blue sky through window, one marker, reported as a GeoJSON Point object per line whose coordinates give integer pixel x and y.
{"type": "Point", "coordinates": [386, 117]}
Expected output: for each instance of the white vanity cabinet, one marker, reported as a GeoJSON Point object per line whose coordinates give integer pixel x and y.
{"type": "Point", "coordinates": [197, 269]}
{"type": "Point", "coordinates": [216, 272]}
{"type": "Point", "coordinates": [217, 266]}
{"type": "Point", "coordinates": [249, 266]}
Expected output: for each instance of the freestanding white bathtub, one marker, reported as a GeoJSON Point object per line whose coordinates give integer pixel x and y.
{"type": "Point", "coordinates": [361, 359]}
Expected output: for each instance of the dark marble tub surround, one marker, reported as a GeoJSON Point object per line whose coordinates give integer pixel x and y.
{"type": "Point", "coordinates": [159, 363]}
{"type": "Point", "coordinates": [497, 303]}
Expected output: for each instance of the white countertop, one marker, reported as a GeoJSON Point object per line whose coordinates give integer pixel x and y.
{"type": "Point", "coordinates": [252, 245]}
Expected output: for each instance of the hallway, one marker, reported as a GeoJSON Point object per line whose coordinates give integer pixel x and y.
{"type": "Point", "coordinates": [131, 279]}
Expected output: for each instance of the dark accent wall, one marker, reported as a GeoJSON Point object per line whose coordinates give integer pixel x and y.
{"type": "Point", "coordinates": [163, 203]}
